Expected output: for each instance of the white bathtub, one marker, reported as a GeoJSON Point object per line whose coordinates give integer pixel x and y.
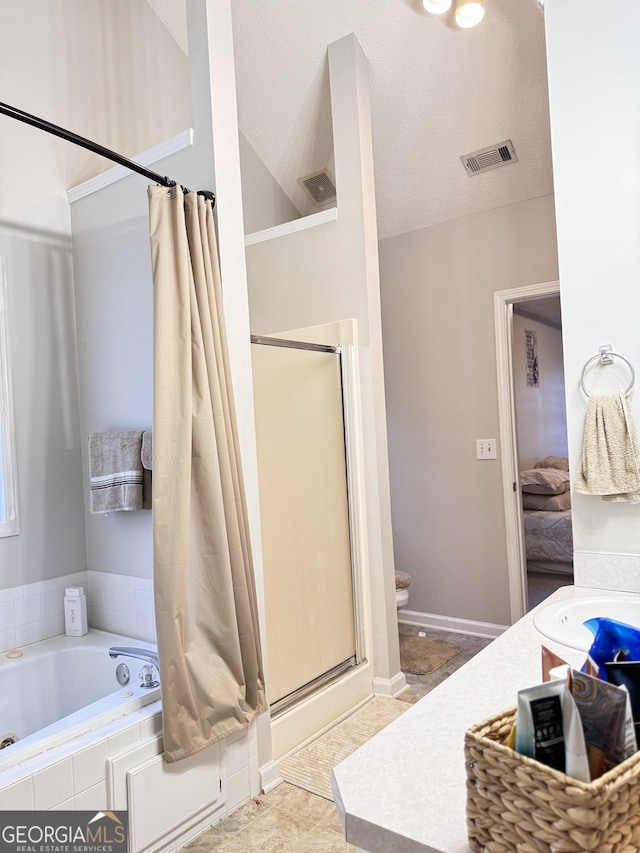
{"type": "Point", "coordinates": [61, 688]}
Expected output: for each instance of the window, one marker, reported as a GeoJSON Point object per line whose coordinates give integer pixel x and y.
{"type": "Point", "coordinates": [9, 522]}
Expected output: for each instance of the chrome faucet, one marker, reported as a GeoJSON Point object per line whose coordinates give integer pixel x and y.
{"type": "Point", "coordinates": [129, 651]}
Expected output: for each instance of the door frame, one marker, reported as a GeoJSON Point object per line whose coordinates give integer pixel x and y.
{"type": "Point", "coordinates": [503, 302]}
{"type": "Point", "coordinates": [317, 713]}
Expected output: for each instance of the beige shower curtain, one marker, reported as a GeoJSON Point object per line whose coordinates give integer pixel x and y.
{"type": "Point", "coordinates": [206, 616]}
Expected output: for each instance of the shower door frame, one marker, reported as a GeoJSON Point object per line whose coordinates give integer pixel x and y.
{"type": "Point", "coordinates": [346, 354]}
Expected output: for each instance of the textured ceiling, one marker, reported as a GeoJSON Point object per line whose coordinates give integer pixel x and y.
{"type": "Point", "coordinates": [437, 92]}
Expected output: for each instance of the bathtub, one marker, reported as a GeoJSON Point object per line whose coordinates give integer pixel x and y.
{"type": "Point", "coordinates": [61, 688]}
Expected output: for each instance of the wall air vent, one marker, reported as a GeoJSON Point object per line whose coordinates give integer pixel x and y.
{"type": "Point", "coordinates": [489, 158]}
{"type": "Point", "coordinates": [320, 187]}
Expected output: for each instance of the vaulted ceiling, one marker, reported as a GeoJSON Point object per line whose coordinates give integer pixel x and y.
{"type": "Point", "coordinates": [437, 93]}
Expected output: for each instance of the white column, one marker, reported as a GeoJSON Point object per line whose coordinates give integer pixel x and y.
{"type": "Point", "coordinates": [356, 204]}
{"type": "Point", "coordinates": [215, 114]}
{"type": "Point", "coordinates": [594, 89]}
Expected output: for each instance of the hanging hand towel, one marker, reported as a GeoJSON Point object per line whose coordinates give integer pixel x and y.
{"type": "Point", "coordinates": [147, 450]}
{"type": "Point", "coordinates": [115, 468]}
{"type": "Point", "coordinates": [146, 454]}
{"type": "Point", "coordinates": [610, 451]}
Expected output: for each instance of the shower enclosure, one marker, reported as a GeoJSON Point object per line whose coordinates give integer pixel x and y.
{"type": "Point", "coordinates": [305, 517]}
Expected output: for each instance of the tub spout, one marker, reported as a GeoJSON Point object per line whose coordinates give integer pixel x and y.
{"type": "Point", "coordinates": [129, 651]}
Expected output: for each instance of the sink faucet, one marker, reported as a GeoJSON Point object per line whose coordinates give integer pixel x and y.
{"type": "Point", "coordinates": [129, 651]}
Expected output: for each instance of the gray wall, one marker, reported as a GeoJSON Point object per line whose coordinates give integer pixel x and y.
{"type": "Point", "coordinates": [45, 390]}
{"type": "Point", "coordinates": [59, 64]}
{"type": "Point", "coordinates": [440, 377]}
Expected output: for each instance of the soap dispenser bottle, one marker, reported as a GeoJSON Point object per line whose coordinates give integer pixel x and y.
{"type": "Point", "coordinates": [75, 611]}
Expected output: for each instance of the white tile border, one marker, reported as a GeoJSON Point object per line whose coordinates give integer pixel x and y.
{"type": "Point", "coordinates": [601, 570]}
{"type": "Point", "coordinates": [34, 611]}
{"type": "Point", "coordinates": [122, 604]}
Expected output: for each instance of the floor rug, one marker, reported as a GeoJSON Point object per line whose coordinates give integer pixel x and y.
{"type": "Point", "coordinates": [421, 655]}
{"type": "Point", "coordinates": [310, 767]}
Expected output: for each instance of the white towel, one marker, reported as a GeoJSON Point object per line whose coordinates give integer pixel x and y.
{"type": "Point", "coordinates": [610, 463]}
{"type": "Point", "coordinates": [115, 468]}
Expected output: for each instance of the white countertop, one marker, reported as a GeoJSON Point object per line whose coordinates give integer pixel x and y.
{"type": "Point", "coordinates": [404, 791]}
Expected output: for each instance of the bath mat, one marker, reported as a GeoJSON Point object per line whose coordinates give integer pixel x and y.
{"type": "Point", "coordinates": [310, 767]}
{"type": "Point", "coordinates": [422, 655]}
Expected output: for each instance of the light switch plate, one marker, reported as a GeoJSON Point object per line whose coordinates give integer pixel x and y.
{"type": "Point", "coordinates": [485, 448]}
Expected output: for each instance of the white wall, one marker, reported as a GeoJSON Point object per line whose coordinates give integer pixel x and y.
{"type": "Point", "coordinates": [330, 273]}
{"type": "Point", "coordinates": [57, 62]}
{"type": "Point", "coordinates": [541, 416]}
{"type": "Point", "coordinates": [437, 289]}
{"type": "Point", "coordinates": [264, 202]}
{"type": "Point", "coordinates": [594, 88]}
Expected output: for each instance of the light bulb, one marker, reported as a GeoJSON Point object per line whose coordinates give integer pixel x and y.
{"type": "Point", "coordinates": [469, 13]}
{"type": "Point", "coordinates": [437, 7]}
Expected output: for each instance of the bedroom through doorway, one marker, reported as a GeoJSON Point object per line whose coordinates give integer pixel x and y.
{"type": "Point", "coordinates": [533, 443]}
{"type": "Point", "coordinates": [541, 442]}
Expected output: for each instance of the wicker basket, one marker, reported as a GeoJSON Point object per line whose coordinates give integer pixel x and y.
{"type": "Point", "coordinates": [518, 805]}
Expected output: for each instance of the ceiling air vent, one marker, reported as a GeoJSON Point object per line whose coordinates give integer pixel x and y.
{"type": "Point", "coordinates": [489, 158]}
{"type": "Point", "coordinates": [320, 187]}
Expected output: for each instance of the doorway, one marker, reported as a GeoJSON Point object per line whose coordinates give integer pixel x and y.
{"type": "Point", "coordinates": [533, 435]}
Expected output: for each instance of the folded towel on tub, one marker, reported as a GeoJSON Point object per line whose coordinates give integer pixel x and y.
{"type": "Point", "coordinates": [115, 469]}
{"type": "Point", "coordinates": [610, 463]}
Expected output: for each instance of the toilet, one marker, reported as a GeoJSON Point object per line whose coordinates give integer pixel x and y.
{"type": "Point", "coordinates": [403, 582]}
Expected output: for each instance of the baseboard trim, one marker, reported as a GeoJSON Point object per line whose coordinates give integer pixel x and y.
{"type": "Point", "coordinates": [451, 624]}
{"type": "Point", "coordinates": [390, 686]}
{"type": "Point", "coordinates": [270, 777]}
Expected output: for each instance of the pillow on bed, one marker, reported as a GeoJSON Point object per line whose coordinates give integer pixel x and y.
{"type": "Point", "coordinates": [544, 481]}
{"type": "Point", "coordinates": [559, 462]}
{"type": "Point", "coordinates": [547, 503]}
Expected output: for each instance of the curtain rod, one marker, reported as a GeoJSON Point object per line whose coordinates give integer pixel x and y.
{"type": "Point", "coordinates": [41, 124]}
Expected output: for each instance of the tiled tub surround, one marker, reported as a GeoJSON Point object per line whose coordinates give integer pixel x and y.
{"type": "Point", "coordinates": [405, 789]}
{"type": "Point", "coordinates": [119, 765]}
{"type": "Point", "coordinates": [122, 604]}
{"type": "Point", "coordinates": [34, 611]}
{"type": "Point", "coordinates": [104, 762]}
{"type": "Point", "coordinates": [60, 688]}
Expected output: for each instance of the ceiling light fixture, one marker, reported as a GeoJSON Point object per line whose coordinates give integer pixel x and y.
{"type": "Point", "coordinates": [469, 13]}
{"type": "Point", "coordinates": [437, 7]}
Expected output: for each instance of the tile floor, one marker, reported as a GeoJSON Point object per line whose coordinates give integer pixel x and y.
{"type": "Point", "coordinates": [291, 820]}
{"type": "Point", "coordinates": [286, 819]}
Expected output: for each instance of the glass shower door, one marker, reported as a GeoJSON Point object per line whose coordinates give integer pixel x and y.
{"type": "Point", "coordinates": [310, 624]}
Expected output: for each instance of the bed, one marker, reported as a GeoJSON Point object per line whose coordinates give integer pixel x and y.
{"type": "Point", "coordinates": [546, 501]}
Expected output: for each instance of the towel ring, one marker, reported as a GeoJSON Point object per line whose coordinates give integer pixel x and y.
{"type": "Point", "coordinates": [606, 356]}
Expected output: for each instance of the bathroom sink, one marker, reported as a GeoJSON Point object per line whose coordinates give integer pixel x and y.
{"type": "Point", "coordinates": [563, 620]}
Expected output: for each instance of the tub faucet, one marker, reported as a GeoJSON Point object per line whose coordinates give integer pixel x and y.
{"type": "Point", "coordinates": [128, 651]}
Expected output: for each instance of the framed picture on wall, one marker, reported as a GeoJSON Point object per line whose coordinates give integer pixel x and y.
{"type": "Point", "coordinates": [531, 357]}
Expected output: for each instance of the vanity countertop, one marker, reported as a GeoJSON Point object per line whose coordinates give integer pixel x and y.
{"type": "Point", "coordinates": [405, 789]}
